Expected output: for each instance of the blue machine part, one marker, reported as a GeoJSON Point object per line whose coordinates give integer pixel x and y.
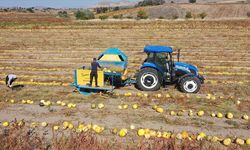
{"type": "Point", "coordinates": [113, 74]}
{"type": "Point", "coordinates": [87, 90]}
{"type": "Point", "coordinates": [109, 63]}
{"type": "Point", "coordinates": [152, 65]}
{"type": "Point", "coordinates": [157, 49]}
{"type": "Point", "coordinates": [115, 51]}
{"type": "Point", "coordinates": [188, 68]}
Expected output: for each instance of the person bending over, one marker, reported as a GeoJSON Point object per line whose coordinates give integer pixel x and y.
{"type": "Point", "coordinates": [10, 79]}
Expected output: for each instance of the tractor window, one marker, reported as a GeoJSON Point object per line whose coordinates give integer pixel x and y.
{"type": "Point", "coordinates": [150, 57]}
{"type": "Point", "coordinates": [162, 60]}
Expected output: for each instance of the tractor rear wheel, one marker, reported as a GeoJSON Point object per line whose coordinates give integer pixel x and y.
{"type": "Point", "coordinates": [189, 84]}
{"type": "Point", "coordinates": [148, 79]}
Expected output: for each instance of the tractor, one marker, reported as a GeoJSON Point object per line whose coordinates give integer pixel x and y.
{"type": "Point", "coordinates": [159, 69]}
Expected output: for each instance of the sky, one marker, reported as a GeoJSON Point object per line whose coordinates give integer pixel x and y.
{"type": "Point", "coordinates": [52, 3]}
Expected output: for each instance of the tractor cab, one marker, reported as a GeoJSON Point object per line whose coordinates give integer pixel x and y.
{"type": "Point", "coordinates": [161, 58]}
{"type": "Point", "coordinates": [159, 68]}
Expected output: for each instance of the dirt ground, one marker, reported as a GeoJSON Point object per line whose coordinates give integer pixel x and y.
{"type": "Point", "coordinates": [112, 117]}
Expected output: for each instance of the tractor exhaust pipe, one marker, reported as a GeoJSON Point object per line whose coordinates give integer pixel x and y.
{"type": "Point", "coordinates": [178, 54]}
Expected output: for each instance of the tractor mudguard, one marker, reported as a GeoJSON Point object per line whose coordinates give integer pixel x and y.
{"type": "Point", "coordinates": [185, 75]}
{"type": "Point", "coordinates": [200, 77]}
{"type": "Point", "coordinates": [152, 65]}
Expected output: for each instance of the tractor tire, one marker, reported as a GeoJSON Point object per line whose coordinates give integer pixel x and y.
{"type": "Point", "coordinates": [148, 79]}
{"type": "Point", "coordinates": [189, 84]}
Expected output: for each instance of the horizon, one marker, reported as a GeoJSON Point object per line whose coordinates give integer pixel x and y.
{"type": "Point", "coordinates": [55, 3]}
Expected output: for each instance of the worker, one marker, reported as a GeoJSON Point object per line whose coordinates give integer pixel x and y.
{"type": "Point", "coordinates": [93, 74]}
{"type": "Point", "coordinates": [10, 79]}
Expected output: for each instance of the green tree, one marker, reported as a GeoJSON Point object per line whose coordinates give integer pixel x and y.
{"type": "Point", "coordinates": [192, 1]}
{"type": "Point", "coordinates": [118, 16]}
{"type": "Point", "coordinates": [248, 14]}
{"type": "Point", "coordinates": [150, 2]}
{"type": "Point", "coordinates": [129, 17]}
{"type": "Point", "coordinates": [30, 10]}
{"type": "Point", "coordinates": [63, 14]}
{"type": "Point", "coordinates": [116, 8]}
{"type": "Point", "coordinates": [104, 17]}
{"type": "Point", "coordinates": [141, 14]}
{"type": "Point", "coordinates": [188, 15]}
{"type": "Point", "coordinates": [84, 15]}
{"type": "Point", "coordinates": [203, 15]}
{"type": "Point", "coordinates": [175, 17]}
{"type": "Point", "coordinates": [161, 17]}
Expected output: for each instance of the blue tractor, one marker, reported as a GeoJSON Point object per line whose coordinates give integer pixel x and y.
{"type": "Point", "coordinates": [160, 69]}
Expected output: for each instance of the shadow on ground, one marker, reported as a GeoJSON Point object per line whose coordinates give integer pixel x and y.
{"type": "Point", "coordinates": [17, 87]}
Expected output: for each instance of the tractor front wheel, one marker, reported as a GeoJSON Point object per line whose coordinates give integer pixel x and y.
{"type": "Point", "coordinates": [189, 84]}
{"type": "Point", "coordinates": [148, 79]}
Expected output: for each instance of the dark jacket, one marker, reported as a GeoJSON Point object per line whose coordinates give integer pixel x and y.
{"type": "Point", "coordinates": [94, 66]}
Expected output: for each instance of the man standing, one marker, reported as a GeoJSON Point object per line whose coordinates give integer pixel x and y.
{"type": "Point", "coordinates": [10, 79]}
{"type": "Point", "coordinates": [94, 66]}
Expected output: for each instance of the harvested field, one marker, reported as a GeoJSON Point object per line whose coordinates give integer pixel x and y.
{"type": "Point", "coordinates": [43, 57]}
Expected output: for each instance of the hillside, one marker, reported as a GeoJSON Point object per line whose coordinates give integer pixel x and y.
{"type": "Point", "coordinates": [207, 1]}
{"type": "Point", "coordinates": [115, 4]}
{"type": "Point", "coordinates": [213, 11]}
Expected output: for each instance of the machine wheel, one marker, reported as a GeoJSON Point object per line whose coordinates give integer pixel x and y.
{"type": "Point", "coordinates": [148, 79]}
{"type": "Point", "coordinates": [189, 84]}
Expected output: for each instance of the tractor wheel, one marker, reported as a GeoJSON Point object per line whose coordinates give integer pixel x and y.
{"type": "Point", "coordinates": [148, 79]}
{"type": "Point", "coordinates": [189, 84]}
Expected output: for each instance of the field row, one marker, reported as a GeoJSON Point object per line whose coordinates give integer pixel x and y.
{"type": "Point", "coordinates": [126, 24]}
{"type": "Point", "coordinates": [68, 72]}
{"type": "Point", "coordinates": [60, 66]}
{"type": "Point", "coordinates": [68, 75]}
{"type": "Point", "coordinates": [179, 37]}
{"type": "Point", "coordinates": [66, 80]}
{"type": "Point", "coordinates": [88, 60]}
{"type": "Point", "coordinates": [241, 32]}
{"type": "Point", "coordinates": [89, 56]}
{"type": "Point", "coordinates": [49, 62]}
{"type": "Point", "coordinates": [241, 118]}
{"type": "Point", "coordinates": [56, 30]}
{"type": "Point", "coordinates": [60, 72]}
{"type": "Point", "coordinates": [125, 131]}
{"type": "Point", "coordinates": [66, 69]}
{"type": "Point", "coordinates": [67, 83]}
{"type": "Point", "coordinates": [210, 51]}
{"type": "Point", "coordinates": [26, 43]}
{"type": "Point", "coordinates": [130, 51]}
{"type": "Point", "coordinates": [123, 45]}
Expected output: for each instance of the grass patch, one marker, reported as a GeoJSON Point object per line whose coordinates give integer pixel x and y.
{"type": "Point", "coordinates": [200, 122]}
{"type": "Point", "coordinates": [233, 123]}
{"type": "Point", "coordinates": [22, 138]}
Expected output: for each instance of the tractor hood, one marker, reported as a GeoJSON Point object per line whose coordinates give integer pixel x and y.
{"type": "Point", "coordinates": [186, 67]}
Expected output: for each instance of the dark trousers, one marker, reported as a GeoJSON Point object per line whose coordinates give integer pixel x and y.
{"type": "Point", "coordinates": [93, 75]}
{"type": "Point", "coordinates": [7, 79]}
